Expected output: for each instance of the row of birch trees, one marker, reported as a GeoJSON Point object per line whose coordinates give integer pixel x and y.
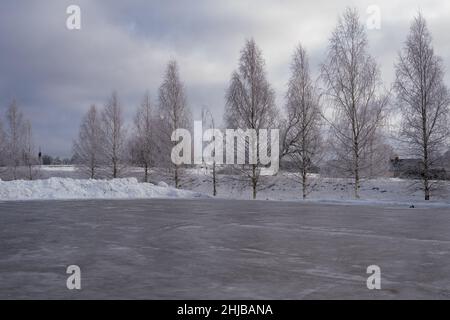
{"type": "Point", "coordinates": [347, 98]}
{"type": "Point", "coordinates": [350, 100]}
{"type": "Point", "coordinates": [105, 145]}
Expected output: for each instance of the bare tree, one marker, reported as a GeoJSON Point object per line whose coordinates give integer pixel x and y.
{"type": "Point", "coordinates": [208, 118]}
{"type": "Point", "coordinates": [114, 134]}
{"type": "Point", "coordinates": [3, 141]}
{"type": "Point", "coordinates": [144, 146]}
{"type": "Point", "coordinates": [250, 104]}
{"type": "Point", "coordinates": [424, 99]}
{"type": "Point", "coordinates": [352, 84]}
{"type": "Point", "coordinates": [302, 142]}
{"type": "Point", "coordinates": [29, 153]}
{"type": "Point", "coordinates": [173, 113]}
{"type": "Point", "coordinates": [15, 137]}
{"type": "Point", "coordinates": [87, 148]}
{"type": "Point", "coordinates": [3, 152]}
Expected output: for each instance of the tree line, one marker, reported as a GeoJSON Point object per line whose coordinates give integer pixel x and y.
{"type": "Point", "coordinates": [349, 87]}
{"type": "Point", "coordinates": [339, 117]}
{"type": "Point", "coordinates": [104, 146]}
{"type": "Point", "coordinates": [17, 151]}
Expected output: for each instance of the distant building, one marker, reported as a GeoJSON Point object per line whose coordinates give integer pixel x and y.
{"type": "Point", "coordinates": [412, 168]}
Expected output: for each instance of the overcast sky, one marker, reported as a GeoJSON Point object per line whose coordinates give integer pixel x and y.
{"type": "Point", "coordinates": [55, 73]}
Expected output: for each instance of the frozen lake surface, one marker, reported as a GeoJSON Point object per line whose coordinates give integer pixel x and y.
{"type": "Point", "coordinates": [222, 249]}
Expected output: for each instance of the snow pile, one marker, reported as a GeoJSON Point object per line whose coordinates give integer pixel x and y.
{"type": "Point", "coordinates": [62, 168]}
{"type": "Point", "coordinates": [163, 184]}
{"type": "Point", "coordinates": [67, 188]}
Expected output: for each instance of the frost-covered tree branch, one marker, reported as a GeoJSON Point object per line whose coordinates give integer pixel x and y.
{"type": "Point", "coordinates": [143, 141]}
{"type": "Point", "coordinates": [302, 141]}
{"type": "Point", "coordinates": [88, 147]}
{"type": "Point", "coordinates": [424, 100]}
{"type": "Point", "coordinates": [250, 104]}
{"type": "Point", "coordinates": [352, 82]}
{"type": "Point", "coordinates": [114, 133]}
{"type": "Point", "coordinates": [173, 113]}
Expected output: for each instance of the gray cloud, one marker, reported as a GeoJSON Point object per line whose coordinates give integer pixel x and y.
{"type": "Point", "coordinates": [55, 74]}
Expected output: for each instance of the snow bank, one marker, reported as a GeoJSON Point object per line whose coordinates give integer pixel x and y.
{"type": "Point", "coordinates": [62, 168]}
{"type": "Point", "coordinates": [67, 188]}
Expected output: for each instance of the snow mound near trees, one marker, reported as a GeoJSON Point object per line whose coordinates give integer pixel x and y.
{"type": "Point", "coordinates": [67, 188]}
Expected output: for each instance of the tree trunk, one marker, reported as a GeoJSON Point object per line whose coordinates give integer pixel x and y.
{"type": "Point", "coordinates": [427, 189]}
{"type": "Point", "coordinates": [357, 176]}
{"type": "Point", "coordinates": [145, 173]}
{"type": "Point", "coordinates": [426, 182]}
{"type": "Point", "coordinates": [426, 168]}
{"type": "Point", "coordinates": [114, 168]}
{"type": "Point", "coordinates": [304, 183]}
{"type": "Point", "coordinates": [214, 179]}
{"type": "Point", "coordinates": [254, 181]}
{"type": "Point", "coordinates": [176, 177]}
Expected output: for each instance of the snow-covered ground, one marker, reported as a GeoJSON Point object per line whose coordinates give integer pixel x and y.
{"type": "Point", "coordinates": [63, 168]}
{"type": "Point", "coordinates": [68, 188]}
{"type": "Point", "coordinates": [284, 186]}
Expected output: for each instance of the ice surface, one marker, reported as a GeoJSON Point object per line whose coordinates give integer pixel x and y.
{"type": "Point", "coordinates": [221, 249]}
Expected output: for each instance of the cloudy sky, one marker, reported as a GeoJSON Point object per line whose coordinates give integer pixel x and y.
{"type": "Point", "coordinates": [55, 73]}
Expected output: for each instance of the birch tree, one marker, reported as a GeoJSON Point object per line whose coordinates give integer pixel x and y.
{"type": "Point", "coordinates": [353, 86]}
{"type": "Point", "coordinates": [423, 98]}
{"type": "Point", "coordinates": [3, 162]}
{"type": "Point", "coordinates": [302, 142]}
{"type": "Point", "coordinates": [144, 146]}
{"type": "Point", "coordinates": [114, 133]}
{"type": "Point", "coordinates": [250, 104]}
{"type": "Point", "coordinates": [15, 138]}
{"type": "Point", "coordinates": [173, 113]}
{"type": "Point", "coordinates": [28, 151]}
{"type": "Point", "coordinates": [87, 148]}
{"type": "Point", "coordinates": [208, 119]}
